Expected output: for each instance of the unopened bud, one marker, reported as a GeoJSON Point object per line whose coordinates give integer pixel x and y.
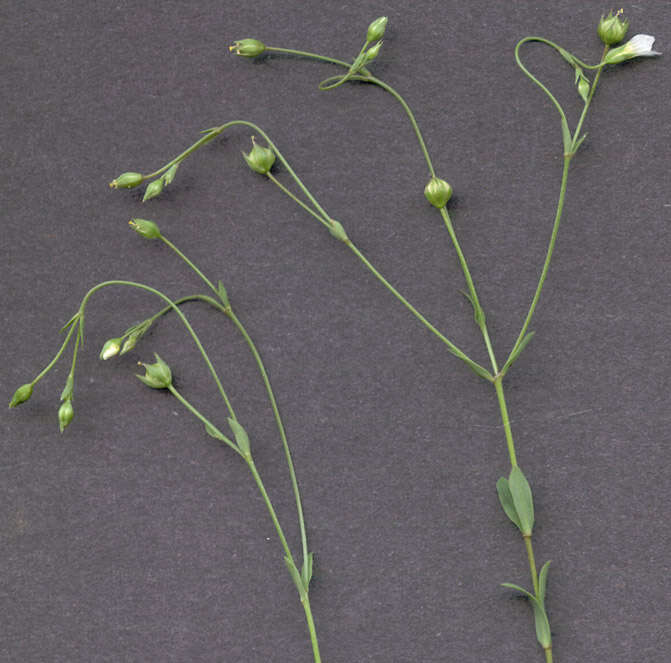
{"type": "Point", "coordinates": [66, 414]}
{"type": "Point", "coordinates": [127, 181]}
{"type": "Point", "coordinates": [158, 375]}
{"type": "Point", "coordinates": [373, 51]}
{"type": "Point", "coordinates": [248, 48]}
{"type": "Point", "coordinates": [260, 159]}
{"type": "Point", "coordinates": [145, 228]}
{"type": "Point", "coordinates": [153, 189]}
{"type": "Point", "coordinates": [376, 29]}
{"type": "Point", "coordinates": [110, 348]}
{"type": "Point", "coordinates": [22, 394]}
{"type": "Point", "coordinates": [438, 192]}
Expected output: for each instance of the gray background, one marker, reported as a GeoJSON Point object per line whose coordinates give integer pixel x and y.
{"type": "Point", "coordinates": [134, 536]}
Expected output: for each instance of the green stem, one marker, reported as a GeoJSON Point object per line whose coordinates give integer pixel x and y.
{"type": "Point", "coordinates": [532, 563]}
{"type": "Point", "coordinates": [182, 317]}
{"type": "Point", "coordinates": [583, 115]}
{"type": "Point", "coordinates": [280, 428]}
{"type": "Point", "coordinates": [546, 264]}
{"type": "Point", "coordinates": [204, 420]}
{"type": "Point", "coordinates": [269, 506]}
{"type": "Point", "coordinates": [269, 390]}
{"type": "Point", "coordinates": [498, 385]}
{"type": "Point", "coordinates": [57, 356]}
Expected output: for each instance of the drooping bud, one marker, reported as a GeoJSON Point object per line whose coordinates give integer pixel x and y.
{"type": "Point", "coordinates": [612, 29]}
{"type": "Point", "coordinates": [248, 48]}
{"type": "Point", "coordinates": [376, 29]}
{"type": "Point", "coordinates": [438, 192]}
{"type": "Point", "coordinates": [153, 189]}
{"type": "Point", "coordinates": [373, 51]}
{"type": "Point", "coordinates": [127, 181]}
{"type": "Point", "coordinates": [110, 348]}
{"type": "Point", "coordinates": [260, 159]}
{"type": "Point", "coordinates": [22, 394]}
{"type": "Point", "coordinates": [583, 88]}
{"type": "Point", "coordinates": [65, 414]}
{"type": "Point", "coordinates": [158, 375]}
{"type": "Point", "coordinates": [145, 228]}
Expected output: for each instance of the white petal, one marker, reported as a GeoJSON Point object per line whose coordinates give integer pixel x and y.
{"type": "Point", "coordinates": [641, 44]}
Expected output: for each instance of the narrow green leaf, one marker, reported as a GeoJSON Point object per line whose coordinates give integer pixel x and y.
{"type": "Point", "coordinates": [541, 623]}
{"type": "Point", "coordinates": [519, 349]}
{"type": "Point", "coordinates": [478, 313]}
{"type": "Point", "coordinates": [223, 295]}
{"type": "Point", "coordinates": [522, 499]}
{"type": "Point", "coordinates": [306, 571]}
{"type": "Point", "coordinates": [566, 136]}
{"type": "Point", "coordinates": [73, 319]}
{"type": "Point", "coordinates": [543, 582]}
{"type": "Point", "coordinates": [476, 368]}
{"type": "Point", "coordinates": [579, 143]}
{"type": "Point", "coordinates": [506, 499]}
{"type": "Point", "coordinates": [296, 577]}
{"type": "Point", "coordinates": [215, 433]}
{"type": "Point", "coordinates": [241, 437]}
{"type": "Point", "coordinates": [567, 56]}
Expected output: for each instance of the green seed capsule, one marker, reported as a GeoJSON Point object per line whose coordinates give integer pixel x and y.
{"type": "Point", "coordinates": [438, 192]}
{"type": "Point", "coordinates": [158, 375]}
{"type": "Point", "coordinates": [248, 48]}
{"type": "Point", "coordinates": [66, 414]}
{"type": "Point", "coordinates": [145, 228]}
{"type": "Point", "coordinates": [260, 159]}
{"type": "Point", "coordinates": [127, 181]}
{"type": "Point", "coordinates": [153, 189]}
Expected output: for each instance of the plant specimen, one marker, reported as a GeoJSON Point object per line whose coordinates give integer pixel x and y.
{"type": "Point", "coordinates": [514, 490]}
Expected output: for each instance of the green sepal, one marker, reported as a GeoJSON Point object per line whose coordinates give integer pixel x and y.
{"type": "Point", "coordinates": [223, 295]}
{"type": "Point", "coordinates": [543, 634]}
{"type": "Point", "coordinates": [336, 229]}
{"type": "Point", "coordinates": [170, 174]}
{"type": "Point", "coordinates": [67, 390]}
{"type": "Point", "coordinates": [241, 437]}
{"type": "Point", "coordinates": [296, 577]}
{"type": "Point", "coordinates": [514, 355]}
{"type": "Point", "coordinates": [523, 501]}
{"type": "Point", "coordinates": [506, 499]}
{"type": "Point", "coordinates": [306, 571]}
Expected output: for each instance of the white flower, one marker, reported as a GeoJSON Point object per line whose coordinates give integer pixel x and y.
{"type": "Point", "coordinates": [637, 47]}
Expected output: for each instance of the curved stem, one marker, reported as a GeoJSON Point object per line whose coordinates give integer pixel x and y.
{"type": "Point", "coordinates": [280, 428]}
{"type": "Point", "coordinates": [269, 390]}
{"type": "Point", "coordinates": [182, 317]}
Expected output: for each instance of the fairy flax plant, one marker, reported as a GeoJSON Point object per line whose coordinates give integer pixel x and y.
{"type": "Point", "coordinates": [514, 490]}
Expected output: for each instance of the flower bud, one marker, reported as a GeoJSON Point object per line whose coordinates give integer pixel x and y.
{"type": "Point", "coordinates": [169, 174]}
{"type": "Point", "coordinates": [583, 88]}
{"type": "Point", "coordinates": [376, 29]}
{"type": "Point", "coordinates": [145, 228]}
{"type": "Point", "coordinates": [158, 375]}
{"type": "Point", "coordinates": [127, 181]}
{"type": "Point", "coordinates": [637, 46]}
{"type": "Point", "coordinates": [110, 348]}
{"type": "Point", "coordinates": [65, 414]}
{"type": "Point", "coordinates": [22, 394]}
{"type": "Point", "coordinates": [373, 51]}
{"type": "Point", "coordinates": [248, 48]}
{"type": "Point", "coordinates": [153, 189]}
{"type": "Point", "coordinates": [612, 29]}
{"type": "Point", "coordinates": [260, 159]}
{"type": "Point", "coordinates": [438, 192]}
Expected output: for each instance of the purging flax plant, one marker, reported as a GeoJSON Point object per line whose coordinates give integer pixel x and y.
{"type": "Point", "coordinates": [513, 488]}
